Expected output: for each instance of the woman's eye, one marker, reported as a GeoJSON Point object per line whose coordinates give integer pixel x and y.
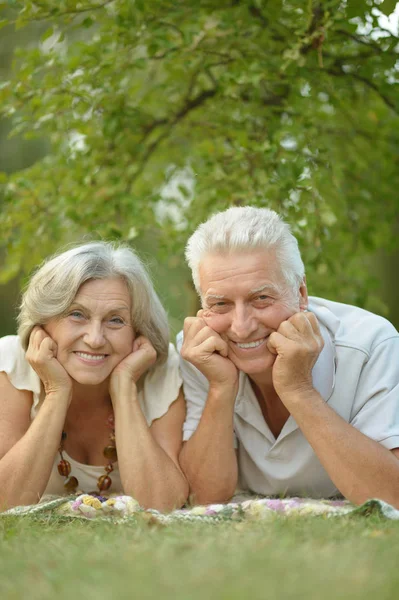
{"type": "Point", "coordinates": [117, 321]}
{"type": "Point", "coordinates": [77, 314]}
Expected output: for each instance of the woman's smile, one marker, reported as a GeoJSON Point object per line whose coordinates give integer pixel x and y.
{"type": "Point", "coordinates": [91, 359]}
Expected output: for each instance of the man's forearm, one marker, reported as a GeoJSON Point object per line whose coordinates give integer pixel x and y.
{"type": "Point", "coordinates": [208, 458]}
{"type": "Point", "coordinates": [360, 467]}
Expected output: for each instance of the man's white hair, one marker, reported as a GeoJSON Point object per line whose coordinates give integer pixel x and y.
{"type": "Point", "coordinates": [246, 228]}
{"type": "Point", "coordinates": [53, 288]}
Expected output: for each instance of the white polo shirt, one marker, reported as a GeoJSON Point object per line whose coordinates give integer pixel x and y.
{"type": "Point", "coordinates": [357, 373]}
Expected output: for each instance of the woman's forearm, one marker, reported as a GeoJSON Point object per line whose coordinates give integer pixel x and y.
{"type": "Point", "coordinates": [25, 469]}
{"type": "Point", "coordinates": [147, 472]}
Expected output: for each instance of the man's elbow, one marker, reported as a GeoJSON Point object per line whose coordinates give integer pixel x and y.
{"type": "Point", "coordinates": [211, 495]}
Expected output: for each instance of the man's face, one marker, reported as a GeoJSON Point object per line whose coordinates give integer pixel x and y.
{"type": "Point", "coordinates": [245, 298]}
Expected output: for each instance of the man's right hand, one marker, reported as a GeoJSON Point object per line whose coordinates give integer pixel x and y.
{"type": "Point", "coordinates": [207, 351]}
{"type": "Point", "coordinates": [42, 357]}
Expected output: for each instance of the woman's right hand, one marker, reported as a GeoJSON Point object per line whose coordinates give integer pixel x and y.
{"type": "Point", "coordinates": [42, 357]}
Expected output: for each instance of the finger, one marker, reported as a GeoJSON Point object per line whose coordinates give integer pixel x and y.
{"type": "Point", "coordinates": [301, 322]}
{"type": "Point", "coordinates": [48, 348]}
{"type": "Point", "coordinates": [214, 344]}
{"type": "Point", "coordinates": [192, 325]}
{"type": "Point", "coordinates": [37, 336]}
{"type": "Point", "coordinates": [277, 343]}
{"type": "Point", "coordinates": [141, 342]}
{"type": "Point", "coordinates": [314, 323]}
{"type": "Point", "coordinates": [202, 335]}
{"type": "Point", "coordinates": [288, 330]}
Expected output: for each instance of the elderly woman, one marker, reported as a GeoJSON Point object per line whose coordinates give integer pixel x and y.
{"type": "Point", "coordinates": [90, 395]}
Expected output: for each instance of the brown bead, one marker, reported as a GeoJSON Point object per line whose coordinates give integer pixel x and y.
{"type": "Point", "coordinates": [110, 453]}
{"type": "Point", "coordinates": [71, 484]}
{"type": "Point", "coordinates": [104, 483]}
{"type": "Point", "coordinates": [64, 468]}
{"type": "Point", "coordinates": [109, 468]}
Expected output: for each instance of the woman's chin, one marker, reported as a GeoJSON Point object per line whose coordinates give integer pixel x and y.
{"type": "Point", "coordinates": [88, 378]}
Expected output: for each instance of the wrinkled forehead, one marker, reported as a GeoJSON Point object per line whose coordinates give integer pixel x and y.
{"type": "Point", "coordinates": [107, 289]}
{"type": "Point", "coordinates": [221, 273]}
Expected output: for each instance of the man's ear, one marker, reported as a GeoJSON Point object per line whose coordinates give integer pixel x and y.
{"type": "Point", "coordinates": [303, 295]}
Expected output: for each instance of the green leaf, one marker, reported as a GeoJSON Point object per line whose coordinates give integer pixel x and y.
{"type": "Point", "coordinates": [47, 34]}
{"type": "Point", "coordinates": [388, 7]}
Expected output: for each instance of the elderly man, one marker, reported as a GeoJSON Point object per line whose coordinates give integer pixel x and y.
{"type": "Point", "coordinates": [286, 394]}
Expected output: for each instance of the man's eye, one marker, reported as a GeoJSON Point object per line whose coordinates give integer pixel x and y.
{"type": "Point", "coordinates": [263, 297]}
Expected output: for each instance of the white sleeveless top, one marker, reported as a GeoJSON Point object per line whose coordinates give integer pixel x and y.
{"type": "Point", "coordinates": [160, 389]}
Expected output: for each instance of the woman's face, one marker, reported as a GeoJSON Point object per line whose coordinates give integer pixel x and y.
{"type": "Point", "coordinates": [95, 334]}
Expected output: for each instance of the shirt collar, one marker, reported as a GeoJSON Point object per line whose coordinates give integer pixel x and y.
{"type": "Point", "coordinates": [323, 373]}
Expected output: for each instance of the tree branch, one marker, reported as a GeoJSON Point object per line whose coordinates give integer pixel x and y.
{"type": "Point", "coordinates": [369, 84]}
{"type": "Point", "coordinates": [69, 12]}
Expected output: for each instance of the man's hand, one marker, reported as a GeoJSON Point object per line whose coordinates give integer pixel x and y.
{"type": "Point", "coordinates": [207, 351]}
{"type": "Point", "coordinates": [42, 357]}
{"type": "Point", "coordinates": [131, 368]}
{"type": "Point", "coordinates": [297, 344]}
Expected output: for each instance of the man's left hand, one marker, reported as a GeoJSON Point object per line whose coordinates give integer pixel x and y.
{"type": "Point", "coordinates": [297, 344]}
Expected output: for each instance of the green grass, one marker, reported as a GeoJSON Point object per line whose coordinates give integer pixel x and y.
{"type": "Point", "coordinates": [356, 558]}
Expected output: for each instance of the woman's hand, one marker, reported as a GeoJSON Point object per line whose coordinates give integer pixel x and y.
{"type": "Point", "coordinates": [131, 368]}
{"type": "Point", "coordinates": [42, 357]}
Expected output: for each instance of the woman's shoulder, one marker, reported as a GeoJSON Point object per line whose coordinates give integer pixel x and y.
{"type": "Point", "coordinates": [11, 352]}
{"type": "Point", "coordinates": [14, 363]}
{"type": "Point", "coordinates": [166, 371]}
{"type": "Point", "coordinates": [161, 386]}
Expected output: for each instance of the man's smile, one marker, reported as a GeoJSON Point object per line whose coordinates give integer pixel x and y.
{"type": "Point", "coordinates": [250, 345]}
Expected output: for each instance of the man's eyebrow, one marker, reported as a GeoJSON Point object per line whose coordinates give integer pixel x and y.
{"type": "Point", "coordinates": [264, 288]}
{"type": "Point", "coordinates": [214, 296]}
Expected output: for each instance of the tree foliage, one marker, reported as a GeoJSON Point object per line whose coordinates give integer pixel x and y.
{"type": "Point", "coordinates": [159, 113]}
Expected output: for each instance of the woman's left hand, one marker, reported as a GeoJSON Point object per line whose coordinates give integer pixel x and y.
{"type": "Point", "coordinates": [131, 368]}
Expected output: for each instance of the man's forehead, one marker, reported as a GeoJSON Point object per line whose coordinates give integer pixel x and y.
{"type": "Point", "coordinates": [258, 270]}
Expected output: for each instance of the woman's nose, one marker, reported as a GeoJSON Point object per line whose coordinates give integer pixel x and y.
{"type": "Point", "coordinates": [94, 335]}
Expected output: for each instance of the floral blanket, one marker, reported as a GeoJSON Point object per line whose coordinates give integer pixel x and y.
{"type": "Point", "coordinates": [122, 508]}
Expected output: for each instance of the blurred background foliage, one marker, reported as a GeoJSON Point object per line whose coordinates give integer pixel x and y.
{"type": "Point", "coordinates": [135, 120]}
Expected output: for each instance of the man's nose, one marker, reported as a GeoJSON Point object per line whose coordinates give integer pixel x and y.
{"type": "Point", "coordinates": [94, 334]}
{"type": "Point", "coordinates": [243, 323]}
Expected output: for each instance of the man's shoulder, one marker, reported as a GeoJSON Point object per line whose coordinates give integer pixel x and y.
{"type": "Point", "coordinates": [179, 340]}
{"type": "Point", "coordinates": [352, 326]}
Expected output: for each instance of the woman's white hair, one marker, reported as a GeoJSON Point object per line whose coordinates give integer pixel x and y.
{"type": "Point", "coordinates": [246, 228]}
{"type": "Point", "coordinates": [54, 285]}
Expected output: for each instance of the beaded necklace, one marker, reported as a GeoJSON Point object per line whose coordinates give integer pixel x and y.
{"type": "Point", "coordinates": [104, 482]}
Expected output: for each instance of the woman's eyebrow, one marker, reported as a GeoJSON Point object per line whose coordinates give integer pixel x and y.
{"type": "Point", "coordinates": [111, 310]}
